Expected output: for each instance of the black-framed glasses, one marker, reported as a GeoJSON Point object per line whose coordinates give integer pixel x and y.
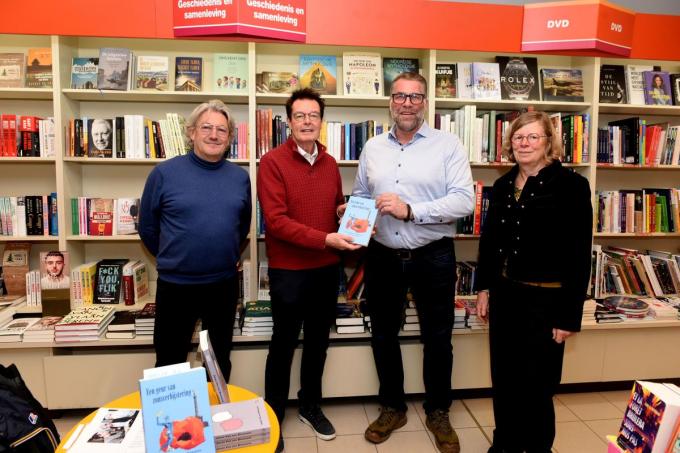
{"type": "Point", "coordinates": [400, 98]}
{"type": "Point", "coordinates": [531, 138]}
{"type": "Point", "coordinates": [300, 117]}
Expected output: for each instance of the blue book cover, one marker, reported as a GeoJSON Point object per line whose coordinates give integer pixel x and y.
{"type": "Point", "coordinates": [359, 219]}
{"type": "Point", "coordinates": [176, 412]}
{"type": "Point", "coordinates": [84, 73]}
{"type": "Point", "coordinates": [319, 73]}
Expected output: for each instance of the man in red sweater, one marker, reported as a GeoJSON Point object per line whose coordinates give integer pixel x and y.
{"type": "Point", "coordinates": [300, 189]}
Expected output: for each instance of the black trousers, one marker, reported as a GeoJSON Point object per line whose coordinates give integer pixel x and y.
{"type": "Point", "coordinates": [526, 365]}
{"type": "Point", "coordinates": [430, 272]}
{"type": "Point", "coordinates": [299, 297]}
{"type": "Point", "coordinates": [178, 307]}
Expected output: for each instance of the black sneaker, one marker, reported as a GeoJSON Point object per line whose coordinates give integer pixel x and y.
{"type": "Point", "coordinates": [314, 417]}
{"type": "Point", "coordinates": [279, 445]}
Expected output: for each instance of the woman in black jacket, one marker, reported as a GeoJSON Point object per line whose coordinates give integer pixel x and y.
{"type": "Point", "coordinates": [533, 271]}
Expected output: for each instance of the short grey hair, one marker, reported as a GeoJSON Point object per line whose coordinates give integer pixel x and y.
{"type": "Point", "coordinates": [213, 105]}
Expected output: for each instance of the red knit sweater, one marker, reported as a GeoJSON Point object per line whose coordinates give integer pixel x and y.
{"type": "Point", "coordinates": [298, 202]}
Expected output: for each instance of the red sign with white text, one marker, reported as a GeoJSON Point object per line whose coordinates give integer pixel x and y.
{"type": "Point", "coordinates": [274, 19]}
{"type": "Point", "coordinates": [578, 25]}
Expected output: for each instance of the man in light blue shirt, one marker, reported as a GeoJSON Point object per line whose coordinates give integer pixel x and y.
{"type": "Point", "coordinates": [421, 181]}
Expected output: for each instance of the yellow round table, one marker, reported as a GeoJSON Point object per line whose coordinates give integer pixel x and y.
{"type": "Point", "coordinates": [132, 401]}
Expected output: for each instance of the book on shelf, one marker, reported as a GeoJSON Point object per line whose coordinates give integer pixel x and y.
{"type": "Point", "coordinates": [91, 317]}
{"type": "Point", "coordinates": [100, 217]}
{"type": "Point", "coordinates": [29, 215]}
{"type": "Point", "coordinates": [114, 70]}
{"type": "Point", "coordinates": [348, 314]}
{"type": "Point", "coordinates": [230, 73]}
{"type": "Point", "coordinates": [258, 311]}
{"type": "Point", "coordinates": [188, 73]}
{"type": "Point", "coordinates": [240, 424]}
{"type": "Point", "coordinates": [445, 80]}
{"type": "Point", "coordinates": [319, 72]}
{"type": "Point", "coordinates": [359, 219]}
{"type": "Point", "coordinates": [12, 70]}
{"type": "Point", "coordinates": [13, 330]}
{"type": "Point", "coordinates": [108, 281]}
{"type": "Point", "coordinates": [613, 84]}
{"type": "Point", "coordinates": [464, 82]}
{"type": "Point", "coordinates": [486, 81]}
{"type": "Point", "coordinates": [151, 73]}
{"type": "Point", "coordinates": [127, 216]}
{"type": "Point", "coordinates": [55, 270]}
{"type": "Point", "coordinates": [276, 82]}
{"type": "Point", "coordinates": [263, 281]}
{"type": "Point", "coordinates": [393, 66]}
{"type": "Point", "coordinates": [562, 85]}
{"type": "Point", "coordinates": [39, 68]}
{"type": "Point", "coordinates": [651, 417]}
{"type": "Point", "coordinates": [15, 264]}
{"type": "Point", "coordinates": [112, 430]}
{"type": "Point", "coordinates": [519, 78]}
{"type": "Point", "coordinates": [657, 88]}
{"type": "Point", "coordinates": [213, 368]}
{"type": "Point", "coordinates": [635, 83]}
{"type": "Point", "coordinates": [176, 409]}
{"type": "Point", "coordinates": [43, 330]}
{"type": "Point", "coordinates": [675, 88]}
{"type": "Point", "coordinates": [362, 74]}
{"type": "Point", "coordinates": [28, 139]}
{"type": "Point", "coordinates": [123, 320]}
{"type": "Point", "coordinates": [100, 138]}
{"type": "Point", "coordinates": [84, 73]}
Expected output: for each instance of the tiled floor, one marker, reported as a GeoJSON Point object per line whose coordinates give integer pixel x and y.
{"type": "Point", "coordinates": [583, 420]}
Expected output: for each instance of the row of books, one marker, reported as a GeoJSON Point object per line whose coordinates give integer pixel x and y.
{"type": "Point", "coordinates": [633, 141]}
{"type": "Point", "coordinates": [31, 70]}
{"type": "Point", "coordinates": [638, 85]}
{"type": "Point", "coordinates": [616, 309]}
{"type": "Point", "coordinates": [104, 216]}
{"type": "Point", "coordinates": [26, 136]}
{"type": "Point", "coordinates": [109, 281]}
{"type": "Point", "coordinates": [623, 271]}
{"type": "Point", "coordinates": [29, 215]}
{"type": "Point", "coordinates": [638, 211]}
{"type": "Point", "coordinates": [345, 141]}
{"type": "Point", "coordinates": [128, 324]}
{"type": "Point", "coordinates": [474, 223]}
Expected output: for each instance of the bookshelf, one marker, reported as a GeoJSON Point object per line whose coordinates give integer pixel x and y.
{"type": "Point", "coordinates": [589, 355]}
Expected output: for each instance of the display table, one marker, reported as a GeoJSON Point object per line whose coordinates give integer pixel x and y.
{"type": "Point", "coordinates": [236, 393]}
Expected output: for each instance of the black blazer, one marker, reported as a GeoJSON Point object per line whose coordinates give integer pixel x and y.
{"type": "Point", "coordinates": [545, 236]}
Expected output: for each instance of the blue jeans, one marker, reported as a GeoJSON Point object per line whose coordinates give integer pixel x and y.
{"type": "Point", "coordinates": [430, 272]}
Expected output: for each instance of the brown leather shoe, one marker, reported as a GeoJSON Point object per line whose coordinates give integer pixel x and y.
{"type": "Point", "coordinates": [389, 420]}
{"type": "Point", "coordinates": [444, 435]}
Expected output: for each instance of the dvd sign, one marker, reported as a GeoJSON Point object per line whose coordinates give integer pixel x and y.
{"type": "Point", "coordinates": [578, 25]}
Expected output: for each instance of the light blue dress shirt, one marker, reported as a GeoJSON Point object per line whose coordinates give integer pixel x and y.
{"type": "Point", "coordinates": [431, 173]}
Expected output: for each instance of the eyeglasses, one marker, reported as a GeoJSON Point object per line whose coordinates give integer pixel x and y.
{"type": "Point", "coordinates": [531, 138]}
{"type": "Point", "coordinates": [300, 117]}
{"type": "Point", "coordinates": [400, 98]}
{"type": "Point", "coordinates": [206, 129]}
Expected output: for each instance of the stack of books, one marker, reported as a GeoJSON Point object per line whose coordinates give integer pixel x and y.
{"type": "Point", "coordinates": [123, 325]}
{"type": "Point", "coordinates": [42, 331]}
{"type": "Point", "coordinates": [471, 312]}
{"type": "Point", "coordinates": [14, 330]}
{"type": "Point", "coordinates": [257, 319]}
{"type": "Point", "coordinates": [238, 319]}
{"type": "Point", "coordinates": [459, 315]}
{"type": "Point", "coordinates": [348, 318]}
{"type": "Point", "coordinates": [630, 307]}
{"type": "Point", "coordinates": [240, 424]}
{"type": "Point", "coordinates": [83, 324]}
{"type": "Point", "coordinates": [411, 323]}
{"type": "Point", "coordinates": [145, 321]}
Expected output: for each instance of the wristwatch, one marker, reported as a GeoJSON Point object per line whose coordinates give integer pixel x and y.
{"type": "Point", "coordinates": [517, 79]}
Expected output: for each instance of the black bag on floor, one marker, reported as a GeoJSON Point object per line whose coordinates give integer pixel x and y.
{"type": "Point", "coordinates": [25, 426]}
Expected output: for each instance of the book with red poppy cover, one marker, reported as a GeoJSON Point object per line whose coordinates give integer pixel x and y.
{"type": "Point", "coordinates": [359, 219]}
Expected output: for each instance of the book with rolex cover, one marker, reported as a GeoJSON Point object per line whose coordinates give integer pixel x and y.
{"type": "Point", "coordinates": [613, 84]}
{"type": "Point", "coordinates": [519, 78]}
{"type": "Point", "coordinates": [176, 410]}
{"type": "Point", "coordinates": [230, 73]}
{"type": "Point", "coordinates": [445, 80]}
{"type": "Point", "coordinates": [392, 67]}
{"type": "Point", "coordinates": [188, 73]}
{"type": "Point", "coordinates": [362, 74]}
{"type": "Point", "coordinates": [562, 85]}
{"type": "Point", "coordinates": [151, 73]}
{"type": "Point", "coordinates": [113, 72]}
{"type": "Point", "coordinates": [277, 82]}
{"type": "Point", "coordinates": [319, 72]}
{"type": "Point", "coordinates": [39, 68]}
{"type": "Point", "coordinates": [12, 70]}
{"type": "Point", "coordinates": [657, 86]}
{"type": "Point", "coordinates": [84, 73]}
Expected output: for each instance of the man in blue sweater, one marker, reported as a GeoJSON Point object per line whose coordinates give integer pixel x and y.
{"type": "Point", "coordinates": [194, 217]}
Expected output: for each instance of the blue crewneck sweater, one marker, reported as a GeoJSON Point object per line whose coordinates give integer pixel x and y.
{"type": "Point", "coordinates": [194, 215]}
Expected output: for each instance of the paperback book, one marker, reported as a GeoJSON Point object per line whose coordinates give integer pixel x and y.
{"type": "Point", "coordinates": [277, 82]}
{"type": "Point", "coordinates": [86, 318]}
{"type": "Point", "coordinates": [188, 73]}
{"type": "Point", "coordinates": [55, 270]}
{"type": "Point", "coordinates": [319, 73]}
{"type": "Point", "coordinates": [108, 281]}
{"type": "Point", "coordinates": [562, 85]}
{"type": "Point", "coordinates": [445, 80]}
{"type": "Point", "coordinates": [613, 84]}
{"type": "Point", "coordinates": [657, 88]}
{"type": "Point", "coordinates": [213, 368]}
{"type": "Point", "coordinates": [100, 217]}
{"type": "Point", "coordinates": [240, 424]}
{"type": "Point", "coordinates": [84, 73]}
{"type": "Point", "coordinates": [486, 81]}
{"type": "Point", "coordinates": [151, 73]}
{"type": "Point", "coordinates": [362, 74]}
{"type": "Point", "coordinates": [12, 70]}
{"type": "Point", "coordinates": [176, 409]}
{"type": "Point", "coordinates": [230, 73]}
{"type": "Point", "coordinates": [39, 68]}
{"type": "Point", "coordinates": [392, 67]}
{"type": "Point", "coordinates": [112, 430]}
{"type": "Point", "coordinates": [635, 83]}
{"type": "Point", "coordinates": [519, 78]}
{"type": "Point", "coordinates": [113, 72]}
{"type": "Point", "coordinates": [359, 219]}
{"type": "Point", "coordinates": [127, 216]}
{"type": "Point", "coordinates": [100, 137]}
